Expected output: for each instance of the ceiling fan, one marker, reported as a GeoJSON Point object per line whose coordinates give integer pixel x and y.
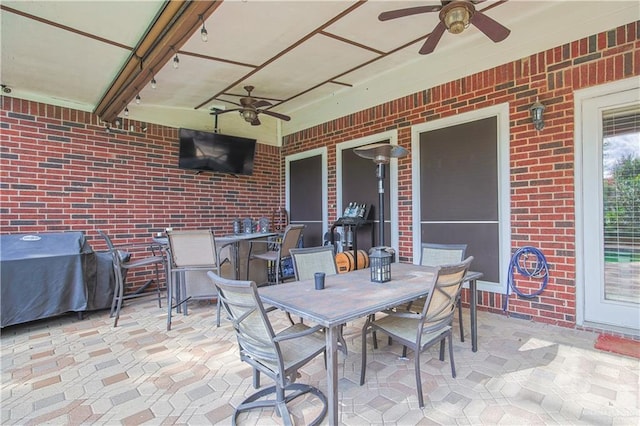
{"type": "Point", "coordinates": [455, 16]}
{"type": "Point", "coordinates": [250, 107]}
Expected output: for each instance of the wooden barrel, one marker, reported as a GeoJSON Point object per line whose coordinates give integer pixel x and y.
{"type": "Point", "coordinates": [345, 261]}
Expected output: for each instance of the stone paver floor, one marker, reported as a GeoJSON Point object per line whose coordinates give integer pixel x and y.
{"type": "Point", "coordinates": [70, 371]}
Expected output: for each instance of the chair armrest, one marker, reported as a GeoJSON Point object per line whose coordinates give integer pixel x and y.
{"type": "Point", "coordinates": [224, 253]}
{"type": "Point", "coordinates": [150, 246]}
{"type": "Point", "coordinates": [280, 337]}
{"type": "Point", "coordinates": [157, 249]}
{"type": "Point", "coordinates": [405, 314]}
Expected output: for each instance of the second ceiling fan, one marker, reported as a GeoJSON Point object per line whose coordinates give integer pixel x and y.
{"type": "Point", "coordinates": [250, 107]}
{"type": "Point", "coordinates": [455, 16]}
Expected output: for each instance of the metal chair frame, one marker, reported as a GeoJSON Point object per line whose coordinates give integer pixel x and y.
{"type": "Point", "coordinates": [278, 251]}
{"type": "Point", "coordinates": [421, 330]}
{"type": "Point", "coordinates": [309, 260]}
{"type": "Point", "coordinates": [277, 355]}
{"type": "Point", "coordinates": [190, 251]}
{"type": "Point", "coordinates": [433, 254]}
{"type": "Point", "coordinates": [123, 263]}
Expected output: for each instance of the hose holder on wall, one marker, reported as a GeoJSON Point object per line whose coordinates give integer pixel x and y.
{"type": "Point", "coordinates": [532, 268]}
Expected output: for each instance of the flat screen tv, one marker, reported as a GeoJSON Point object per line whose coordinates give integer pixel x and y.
{"type": "Point", "coordinates": [214, 152]}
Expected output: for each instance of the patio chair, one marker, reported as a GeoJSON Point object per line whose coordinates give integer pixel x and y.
{"type": "Point", "coordinates": [278, 355]}
{"type": "Point", "coordinates": [309, 260]}
{"type": "Point", "coordinates": [193, 253]}
{"type": "Point", "coordinates": [419, 331]}
{"type": "Point", "coordinates": [126, 257]}
{"type": "Point", "coordinates": [277, 252]}
{"type": "Point", "coordinates": [437, 255]}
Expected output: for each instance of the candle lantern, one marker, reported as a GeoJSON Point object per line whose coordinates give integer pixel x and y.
{"type": "Point", "coordinates": [380, 262]}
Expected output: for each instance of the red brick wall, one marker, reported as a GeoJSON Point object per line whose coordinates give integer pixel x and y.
{"type": "Point", "coordinates": [60, 171]}
{"type": "Point", "coordinates": [542, 163]}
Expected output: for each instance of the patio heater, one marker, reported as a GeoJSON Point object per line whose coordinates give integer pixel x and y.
{"type": "Point", "coordinates": [381, 154]}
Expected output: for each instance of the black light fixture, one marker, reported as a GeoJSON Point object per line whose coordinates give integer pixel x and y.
{"type": "Point", "coordinates": [381, 154]}
{"type": "Point", "coordinates": [176, 61]}
{"type": "Point", "coordinates": [138, 99]}
{"type": "Point", "coordinates": [537, 109]}
{"type": "Point", "coordinates": [203, 32]}
{"type": "Point", "coordinates": [126, 111]}
{"type": "Point", "coordinates": [154, 83]}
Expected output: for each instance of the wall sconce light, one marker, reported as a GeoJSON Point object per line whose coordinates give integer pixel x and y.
{"type": "Point", "coordinates": [154, 83]}
{"type": "Point", "coordinates": [176, 61]}
{"type": "Point", "coordinates": [138, 99]}
{"type": "Point", "coordinates": [536, 115]}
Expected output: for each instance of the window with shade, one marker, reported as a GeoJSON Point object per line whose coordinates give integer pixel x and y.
{"type": "Point", "coordinates": [621, 203]}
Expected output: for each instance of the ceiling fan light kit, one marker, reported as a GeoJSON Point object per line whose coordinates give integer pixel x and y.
{"type": "Point", "coordinates": [455, 16]}
{"type": "Point", "coordinates": [249, 108]}
{"type": "Point", "coordinates": [249, 115]}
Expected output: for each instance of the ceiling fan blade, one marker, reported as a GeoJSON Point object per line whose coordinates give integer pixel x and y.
{"type": "Point", "coordinates": [226, 101]}
{"type": "Point", "coordinates": [433, 39]}
{"type": "Point", "coordinates": [393, 14]}
{"type": "Point", "coordinates": [222, 111]}
{"type": "Point", "coordinates": [261, 103]}
{"type": "Point", "coordinates": [256, 122]}
{"type": "Point", "coordinates": [491, 28]}
{"type": "Point", "coordinates": [276, 115]}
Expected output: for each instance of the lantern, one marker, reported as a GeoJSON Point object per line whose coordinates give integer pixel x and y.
{"type": "Point", "coordinates": [380, 263]}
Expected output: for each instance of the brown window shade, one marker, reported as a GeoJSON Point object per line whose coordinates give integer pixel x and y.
{"type": "Point", "coordinates": [459, 172]}
{"type": "Point", "coordinates": [459, 191]}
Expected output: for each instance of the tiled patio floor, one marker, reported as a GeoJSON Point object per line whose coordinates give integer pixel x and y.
{"type": "Point", "coordinates": [70, 371]}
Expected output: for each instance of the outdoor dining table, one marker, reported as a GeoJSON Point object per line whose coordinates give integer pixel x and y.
{"type": "Point", "coordinates": [349, 296]}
